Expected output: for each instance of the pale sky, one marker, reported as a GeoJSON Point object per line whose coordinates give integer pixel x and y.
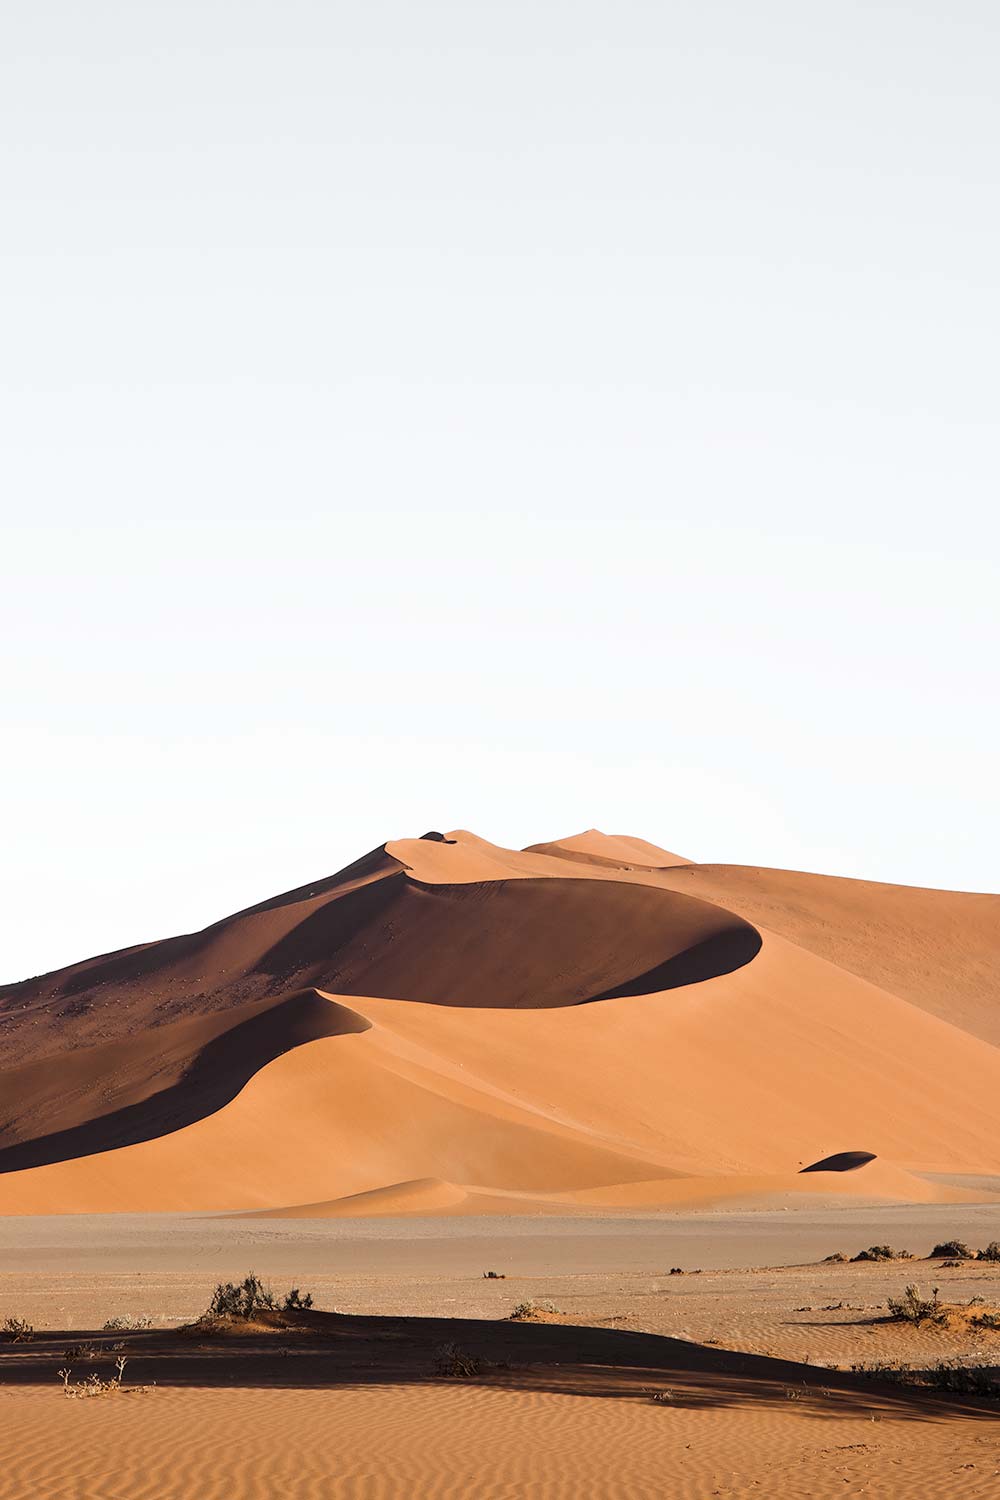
{"type": "Point", "coordinates": [518, 417]}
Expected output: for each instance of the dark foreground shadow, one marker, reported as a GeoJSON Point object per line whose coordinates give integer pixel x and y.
{"type": "Point", "coordinates": [329, 1350]}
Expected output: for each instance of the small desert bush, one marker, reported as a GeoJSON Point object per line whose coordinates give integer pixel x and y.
{"type": "Point", "coordinates": [991, 1252]}
{"type": "Point", "coordinates": [494, 1276]}
{"type": "Point", "coordinates": [296, 1301]}
{"type": "Point", "coordinates": [948, 1375]}
{"type": "Point", "coordinates": [248, 1298]}
{"type": "Point", "coordinates": [986, 1319]}
{"type": "Point", "coordinates": [881, 1369]}
{"type": "Point", "coordinates": [17, 1330]}
{"type": "Point", "coordinates": [524, 1311]}
{"type": "Point", "coordinates": [964, 1380]}
{"type": "Point", "coordinates": [458, 1364]}
{"type": "Point", "coordinates": [837, 1258]}
{"type": "Point", "coordinates": [82, 1390]}
{"type": "Point", "coordinates": [127, 1324]}
{"type": "Point", "coordinates": [86, 1350]}
{"type": "Point", "coordinates": [882, 1252]}
{"type": "Point", "coordinates": [951, 1250]}
{"type": "Point", "coordinates": [912, 1308]}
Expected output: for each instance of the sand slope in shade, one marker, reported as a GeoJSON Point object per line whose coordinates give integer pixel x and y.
{"type": "Point", "coordinates": [717, 1055]}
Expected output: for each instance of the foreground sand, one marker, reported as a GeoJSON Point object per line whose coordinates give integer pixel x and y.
{"type": "Point", "coordinates": [752, 1364]}
{"type": "Point", "coordinates": [441, 1439]}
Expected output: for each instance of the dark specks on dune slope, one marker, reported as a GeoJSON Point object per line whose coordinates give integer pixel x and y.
{"type": "Point", "coordinates": [153, 1037]}
{"type": "Point", "coordinates": [196, 1071]}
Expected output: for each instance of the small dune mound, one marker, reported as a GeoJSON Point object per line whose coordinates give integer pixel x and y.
{"type": "Point", "coordinates": [421, 1195]}
{"type": "Point", "coordinates": [842, 1161]}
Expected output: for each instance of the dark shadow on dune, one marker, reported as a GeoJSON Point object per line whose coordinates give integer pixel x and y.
{"type": "Point", "coordinates": [327, 1351]}
{"type": "Point", "coordinates": [213, 1079]}
{"type": "Point", "coordinates": [709, 959]}
{"type": "Point", "coordinates": [841, 1161]}
{"type": "Point", "coordinates": [531, 943]}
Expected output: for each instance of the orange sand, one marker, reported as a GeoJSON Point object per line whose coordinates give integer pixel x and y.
{"type": "Point", "coordinates": [412, 1037]}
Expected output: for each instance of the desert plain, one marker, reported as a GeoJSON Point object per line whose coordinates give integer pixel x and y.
{"type": "Point", "coordinates": [651, 1097]}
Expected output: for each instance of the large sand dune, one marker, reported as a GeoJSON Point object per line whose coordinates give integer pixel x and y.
{"type": "Point", "coordinates": [448, 1026]}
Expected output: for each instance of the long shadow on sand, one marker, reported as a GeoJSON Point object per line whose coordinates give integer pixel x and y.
{"type": "Point", "coordinates": [329, 1350]}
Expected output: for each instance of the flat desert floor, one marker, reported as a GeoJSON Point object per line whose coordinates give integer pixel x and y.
{"type": "Point", "coordinates": [731, 1379]}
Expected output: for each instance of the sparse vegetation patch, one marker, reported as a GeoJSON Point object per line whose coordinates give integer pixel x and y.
{"type": "Point", "coordinates": [246, 1300]}
{"type": "Point", "coordinates": [912, 1308]}
{"type": "Point", "coordinates": [94, 1385]}
{"type": "Point", "coordinates": [459, 1364]}
{"type": "Point", "coordinates": [17, 1330]}
{"type": "Point", "coordinates": [526, 1312]}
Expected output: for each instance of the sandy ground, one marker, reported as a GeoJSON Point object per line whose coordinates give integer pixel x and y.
{"type": "Point", "coordinates": [749, 1349]}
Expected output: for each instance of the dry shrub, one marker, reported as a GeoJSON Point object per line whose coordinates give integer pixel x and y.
{"type": "Point", "coordinates": [17, 1330]}
{"type": "Point", "coordinates": [912, 1308]}
{"type": "Point", "coordinates": [85, 1390]}
{"type": "Point", "coordinates": [458, 1364]}
{"type": "Point", "coordinates": [527, 1312]}
{"type": "Point", "coordinates": [245, 1300]}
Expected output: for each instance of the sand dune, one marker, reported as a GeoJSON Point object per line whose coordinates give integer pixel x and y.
{"type": "Point", "coordinates": [447, 1026]}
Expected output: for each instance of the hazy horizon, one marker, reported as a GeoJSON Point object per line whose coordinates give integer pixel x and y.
{"type": "Point", "coordinates": [522, 420]}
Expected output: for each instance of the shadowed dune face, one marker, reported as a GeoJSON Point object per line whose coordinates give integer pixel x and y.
{"type": "Point", "coordinates": [525, 944]}
{"type": "Point", "coordinates": [120, 995]}
{"type": "Point", "coordinates": [166, 1080]}
{"type": "Point", "coordinates": [375, 931]}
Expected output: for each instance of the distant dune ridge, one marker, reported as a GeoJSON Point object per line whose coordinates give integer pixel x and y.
{"type": "Point", "coordinates": [447, 1026]}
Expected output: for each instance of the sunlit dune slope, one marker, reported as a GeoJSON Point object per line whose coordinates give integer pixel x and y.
{"type": "Point", "coordinates": [448, 1026]}
{"type": "Point", "coordinates": [613, 850]}
{"type": "Point", "coordinates": [939, 949]}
